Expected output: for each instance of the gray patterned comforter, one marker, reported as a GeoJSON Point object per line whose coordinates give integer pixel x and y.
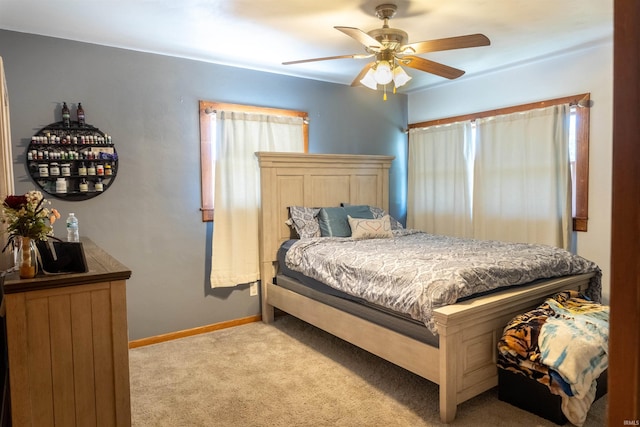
{"type": "Point", "coordinates": [415, 272]}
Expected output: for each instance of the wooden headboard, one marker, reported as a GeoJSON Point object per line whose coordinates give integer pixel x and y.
{"type": "Point", "coordinates": [313, 180]}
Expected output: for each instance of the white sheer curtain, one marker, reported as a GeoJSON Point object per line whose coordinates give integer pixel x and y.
{"type": "Point", "coordinates": [522, 187]}
{"type": "Point", "coordinates": [237, 189]}
{"type": "Point", "coordinates": [6, 163]}
{"type": "Point", "coordinates": [439, 193]}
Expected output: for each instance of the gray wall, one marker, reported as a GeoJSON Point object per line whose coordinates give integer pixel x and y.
{"type": "Point", "coordinates": [149, 219]}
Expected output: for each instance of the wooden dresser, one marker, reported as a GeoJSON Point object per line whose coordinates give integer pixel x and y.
{"type": "Point", "coordinates": [68, 346]}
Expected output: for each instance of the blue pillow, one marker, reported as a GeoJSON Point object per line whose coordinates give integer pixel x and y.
{"type": "Point", "coordinates": [377, 214]}
{"type": "Point", "coordinates": [358, 211]}
{"type": "Point", "coordinates": [334, 223]}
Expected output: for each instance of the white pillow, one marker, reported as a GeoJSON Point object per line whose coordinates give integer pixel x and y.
{"type": "Point", "coordinates": [363, 228]}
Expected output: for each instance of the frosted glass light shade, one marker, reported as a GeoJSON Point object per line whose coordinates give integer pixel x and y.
{"type": "Point", "coordinates": [383, 74]}
{"type": "Point", "coordinates": [369, 80]}
{"type": "Point", "coordinates": [400, 77]}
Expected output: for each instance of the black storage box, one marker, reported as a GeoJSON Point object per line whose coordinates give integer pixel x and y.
{"type": "Point", "coordinates": [57, 256]}
{"type": "Point", "coordinates": [532, 396]}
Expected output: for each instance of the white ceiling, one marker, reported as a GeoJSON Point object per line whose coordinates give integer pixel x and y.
{"type": "Point", "coordinates": [261, 34]}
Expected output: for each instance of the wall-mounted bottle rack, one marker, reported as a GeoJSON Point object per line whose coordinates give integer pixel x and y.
{"type": "Point", "coordinates": [72, 162]}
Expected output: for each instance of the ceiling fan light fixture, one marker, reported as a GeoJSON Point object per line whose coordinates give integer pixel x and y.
{"type": "Point", "coordinates": [383, 73]}
{"type": "Point", "coordinates": [400, 76]}
{"type": "Point", "coordinates": [391, 48]}
{"type": "Point", "coordinates": [369, 80]}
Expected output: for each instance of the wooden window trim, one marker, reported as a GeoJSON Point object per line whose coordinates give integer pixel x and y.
{"type": "Point", "coordinates": [580, 220]}
{"type": "Point", "coordinates": [206, 149]}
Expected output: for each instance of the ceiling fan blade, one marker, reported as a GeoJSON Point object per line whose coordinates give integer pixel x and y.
{"type": "Point", "coordinates": [360, 76]}
{"type": "Point", "coordinates": [431, 67]}
{"type": "Point", "coordinates": [471, 40]}
{"type": "Point", "coordinates": [326, 58]}
{"type": "Point", "coordinates": [361, 37]}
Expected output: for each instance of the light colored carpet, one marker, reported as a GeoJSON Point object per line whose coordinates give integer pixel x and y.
{"type": "Point", "coordinates": [290, 373]}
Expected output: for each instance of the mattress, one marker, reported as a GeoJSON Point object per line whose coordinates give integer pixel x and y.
{"type": "Point", "coordinates": [398, 282]}
{"type": "Point", "coordinates": [311, 288]}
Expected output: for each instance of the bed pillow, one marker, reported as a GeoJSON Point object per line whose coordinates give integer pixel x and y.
{"type": "Point", "coordinates": [379, 213]}
{"type": "Point", "coordinates": [334, 223]}
{"type": "Point", "coordinates": [370, 228]}
{"type": "Point", "coordinates": [359, 211]}
{"type": "Point", "coordinates": [304, 221]}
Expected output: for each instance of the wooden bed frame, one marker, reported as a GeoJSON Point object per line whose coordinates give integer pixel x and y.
{"type": "Point", "coordinates": [464, 364]}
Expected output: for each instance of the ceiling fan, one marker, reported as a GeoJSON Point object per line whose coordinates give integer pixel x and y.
{"type": "Point", "coordinates": [391, 49]}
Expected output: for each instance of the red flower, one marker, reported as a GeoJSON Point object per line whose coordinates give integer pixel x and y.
{"type": "Point", "coordinates": [15, 202]}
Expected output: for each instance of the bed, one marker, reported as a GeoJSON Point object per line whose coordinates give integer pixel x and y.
{"type": "Point", "coordinates": [462, 361]}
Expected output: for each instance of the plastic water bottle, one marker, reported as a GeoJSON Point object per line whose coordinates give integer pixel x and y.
{"type": "Point", "coordinates": [73, 235]}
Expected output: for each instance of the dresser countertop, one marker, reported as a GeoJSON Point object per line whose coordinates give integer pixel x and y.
{"type": "Point", "coordinates": [102, 267]}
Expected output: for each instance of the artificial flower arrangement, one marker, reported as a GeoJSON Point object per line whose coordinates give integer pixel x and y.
{"type": "Point", "coordinates": [27, 219]}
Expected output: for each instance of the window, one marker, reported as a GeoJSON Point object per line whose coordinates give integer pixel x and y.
{"type": "Point", "coordinates": [580, 146]}
{"type": "Point", "coordinates": [208, 116]}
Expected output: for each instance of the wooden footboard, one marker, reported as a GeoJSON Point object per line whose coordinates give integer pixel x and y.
{"type": "Point", "coordinates": [469, 332]}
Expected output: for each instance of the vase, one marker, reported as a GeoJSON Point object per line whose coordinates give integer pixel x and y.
{"type": "Point", "coordinates": [27, 258]}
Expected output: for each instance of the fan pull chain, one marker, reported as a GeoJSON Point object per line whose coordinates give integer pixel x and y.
{"type": "Point", "coordinates": [384, 98]}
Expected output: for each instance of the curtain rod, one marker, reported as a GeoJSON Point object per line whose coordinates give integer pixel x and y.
{"type": "Point", "coordinates": [578, 100]}
{"type": "Point", "coordinates": [305, 119]}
